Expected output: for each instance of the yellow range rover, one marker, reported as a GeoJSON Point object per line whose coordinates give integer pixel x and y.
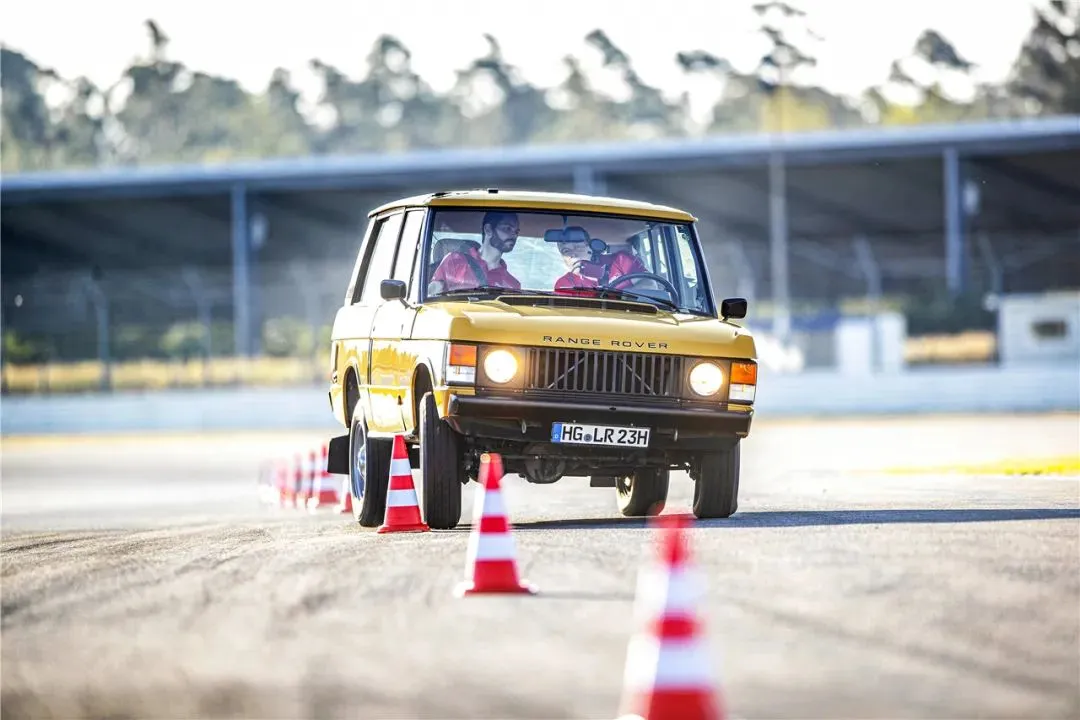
{"type": "Point", "coordinates": [578, 336]}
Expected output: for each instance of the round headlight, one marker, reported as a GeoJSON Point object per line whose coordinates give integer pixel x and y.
{"type": "Point", "coordinates": [706, 379]}
{"type": "Point", "coordinates": [500, 366]}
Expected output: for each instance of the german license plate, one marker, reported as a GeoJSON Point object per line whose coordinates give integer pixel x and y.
{"type": "Point", "coordinates": [575, 434]}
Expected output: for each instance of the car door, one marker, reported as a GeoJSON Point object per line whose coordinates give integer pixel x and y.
{"type": "Point", "coordinates": [354, 322]}
{"type": "Point", "coordinates": [393, 357]}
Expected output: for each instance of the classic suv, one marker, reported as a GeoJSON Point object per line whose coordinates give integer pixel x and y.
{"type": "Point", "coordinates": [575, 335]}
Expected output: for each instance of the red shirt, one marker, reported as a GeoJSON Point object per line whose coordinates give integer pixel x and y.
{"type": "Point", "coordinates": [455, 272]}
{"type": "Point", "coordinates": [621, 263]}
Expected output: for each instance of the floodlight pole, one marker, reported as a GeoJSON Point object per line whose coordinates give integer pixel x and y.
{"type": "Point", "coordinates": [778, 246]}
{"type": "Point", "coordinates": [954, 221]}
{"type": "Point", "coordinates": [778, 224]}
{"type": "Point", "coordinates": [587, 181]}
{"type": "Point", "coordinates": [241, 251]}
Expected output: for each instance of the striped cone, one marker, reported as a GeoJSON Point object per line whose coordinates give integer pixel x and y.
{"type": "Point", "coordinates": [325, 490]}
{"type": "Point", "coordinates": [296, 481]}
{"type": "Point", "coordinates": [402, 508]}
{"type": "Point", "coordinates": [307, 478]}
{"type": "Point", "coordinates": [264, 485]}
{"type": "Point", "coordinates": [490, 566]}
{"type": "Point", "coordinates": [344, 506]}
{"type": "Point", "coordinates": [281, 481]}
{"type": "Point", "coordinates": [667, 671]}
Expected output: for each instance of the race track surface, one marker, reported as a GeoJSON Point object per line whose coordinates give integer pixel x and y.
{"type": "Point", "coordinates": [144, 578]}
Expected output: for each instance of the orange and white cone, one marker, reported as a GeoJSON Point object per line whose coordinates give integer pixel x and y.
{"type": "Point", "coordinates": [668, 670]}
{"type": "Point", "coordinates": [295, 470]}
{"type": "Point", "coordinates": [344, 506]}
{"type": "Point", "coordinates": [402, 508]}
{"type": "Point", "coordinates": [491, 566]}
{"type": "Point", "coordinates": [325, 491]}
{"type": "Point", "coordinates": [307, 478]}
{"type": "Point", "coordinates": [281, 481]}
{"type": "Point", "coordinates": [264, 484]}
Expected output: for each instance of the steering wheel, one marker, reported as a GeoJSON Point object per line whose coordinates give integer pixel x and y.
{"type": "Point", "coordinates": [667, 284]}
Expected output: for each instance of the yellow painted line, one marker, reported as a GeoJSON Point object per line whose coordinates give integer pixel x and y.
{"type": "Point", "coordinates": [1063, 465]}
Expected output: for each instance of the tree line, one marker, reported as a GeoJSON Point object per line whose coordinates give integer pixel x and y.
{"type": "Point", "coordinates": [161, 111]}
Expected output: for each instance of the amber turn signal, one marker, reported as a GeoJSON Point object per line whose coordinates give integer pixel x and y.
{"type": "Point", "coordinates": [463, 355]}
{"type": "Point", "coordinates": [744, 373]}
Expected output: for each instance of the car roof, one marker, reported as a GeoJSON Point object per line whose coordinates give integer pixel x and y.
{"type": "Point", "coordinates": [535, 200]}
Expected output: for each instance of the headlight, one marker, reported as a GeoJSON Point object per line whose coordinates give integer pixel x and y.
{"type": "Point", "coordinates": [500, 366]}
{"type": "Point", "coordinates": [706, 379]}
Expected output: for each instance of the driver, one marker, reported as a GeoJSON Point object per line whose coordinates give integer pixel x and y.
{"type": "Point", "coordinates": [484, 265]}
{"type": "Point", "coordinates": [583, 273]}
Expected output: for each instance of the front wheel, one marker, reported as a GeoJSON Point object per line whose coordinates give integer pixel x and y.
{"type": "Point", "coordinates": [643, 493]}
{"type": "Point", "coordinates": [442, 467]}
{"type": "Point", "coordinates": [716, 490]}
{"type": "Point", "coordinates": [369, 472]}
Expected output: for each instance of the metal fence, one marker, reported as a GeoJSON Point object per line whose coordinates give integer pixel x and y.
{"type": "Point", "coordinates": [169, 327]}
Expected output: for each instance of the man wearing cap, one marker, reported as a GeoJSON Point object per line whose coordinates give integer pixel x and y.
{"type": "Point", "coordinates": [474, 266]}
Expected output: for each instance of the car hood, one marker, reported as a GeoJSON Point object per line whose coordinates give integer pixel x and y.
{"type": "Point", "coordinates": [586, 328]}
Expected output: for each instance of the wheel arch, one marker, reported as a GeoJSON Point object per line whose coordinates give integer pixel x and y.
{"type": "Point", "coordinates": [350, 392]}
{"type": "Point", "coordinates": [422, 382]}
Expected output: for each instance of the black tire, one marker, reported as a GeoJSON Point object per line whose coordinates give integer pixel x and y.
{"type": "Point", "coordinates": [716, 490]}
{"type": "Point", "coordinates": [442, 468]}
{"type": "Point", "coordinates": [643, 493]}
{"type": "Point", "coordinates": [369, 472]}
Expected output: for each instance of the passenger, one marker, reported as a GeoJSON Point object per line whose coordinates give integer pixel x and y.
{"type": "Point", "coordinates": [583, 273]}
{"type": "Point", "coordinates": [475, 266]}
{"type": "Point", "coordinates": [445, 246]}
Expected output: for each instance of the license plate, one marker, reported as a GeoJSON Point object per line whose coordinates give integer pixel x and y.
{"type": "Point", "coordinates": [574, 434]}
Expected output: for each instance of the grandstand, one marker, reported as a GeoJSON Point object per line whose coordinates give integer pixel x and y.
{"type": "Point", "coordinates": [133, 263]}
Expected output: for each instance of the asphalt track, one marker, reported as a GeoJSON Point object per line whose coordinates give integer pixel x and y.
{"type": "Point", "coordinates": [143, 578]}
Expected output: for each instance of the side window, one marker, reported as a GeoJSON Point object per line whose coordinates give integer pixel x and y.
{"type": "Point", "coordinates": [410, 240]}
{"type": "Point", "coordinates": [378, 268]}
{"type": "Point", "coordinates": [361, 255]}
{"type": "Point", "coordinates": [656, 235]}
{"type": "Point", "coordinates": [686, 257]}
{"type": "Point", "coordinates": [416, 279]}
{"type": "Point", "coordinates": [653, 252]}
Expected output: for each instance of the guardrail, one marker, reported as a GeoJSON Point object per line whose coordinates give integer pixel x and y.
{"type": "Point", "coordinates": [1038, 388]}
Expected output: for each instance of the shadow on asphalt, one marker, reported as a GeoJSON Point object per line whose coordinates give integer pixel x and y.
{"type": "Point", "coordinates": [585, 596]}
{"type": "Point", "coordinates": [805, 518]}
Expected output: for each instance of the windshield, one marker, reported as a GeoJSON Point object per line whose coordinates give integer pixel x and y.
{"type": "Point", "coordinates": [495, 251]}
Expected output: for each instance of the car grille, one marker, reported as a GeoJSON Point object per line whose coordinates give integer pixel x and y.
{"type": "Point", "coordinates": [604, 373]}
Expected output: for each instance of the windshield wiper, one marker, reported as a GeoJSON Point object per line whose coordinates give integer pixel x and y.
{"type": "Point", "coordinates": [491, 290]}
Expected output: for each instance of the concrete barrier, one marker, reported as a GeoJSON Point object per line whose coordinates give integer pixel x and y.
{"type": "Point", "coordinates": [1054, 387]}
{"type": "Point", "coordinates": [298, 408]}
{"type": "Point", "coordinates": [1033, 388]}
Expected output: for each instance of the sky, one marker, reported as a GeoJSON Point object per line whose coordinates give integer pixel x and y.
{"type": "Point", "coordinates": [247, 40]}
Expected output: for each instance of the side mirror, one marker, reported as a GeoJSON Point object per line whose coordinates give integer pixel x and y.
{"type": "Point", "coordinates": [393, 290]}
{"type": "Point", "coordinates": [733, 308]}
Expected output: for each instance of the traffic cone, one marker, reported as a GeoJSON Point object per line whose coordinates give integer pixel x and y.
{"type": "Point", "coordinates": [490, 566]}
{"type": "Point", "coordinates": [281, 481]}
{"type": "Point", "coordinates": [307, 478]}
{"type": "Point", "coordinates": [264, 484]}
{"type": "Point", "coordinates": [668, 672]}
{"type": "Point", "coordinates": [344, 506]}
{"type": "Point", "coordinates": [402, 508]}
{"type": "Point", "coordinates": [325, 490]}
{"type": "Point", "coordinates": [296, 480]}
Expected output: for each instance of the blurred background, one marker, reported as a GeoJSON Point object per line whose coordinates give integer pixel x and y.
{"type": "Point", "coordinates": [895, 186]}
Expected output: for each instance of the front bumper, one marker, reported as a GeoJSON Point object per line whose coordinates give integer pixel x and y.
{"type": "Point", "coordinates": [530, 419]}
